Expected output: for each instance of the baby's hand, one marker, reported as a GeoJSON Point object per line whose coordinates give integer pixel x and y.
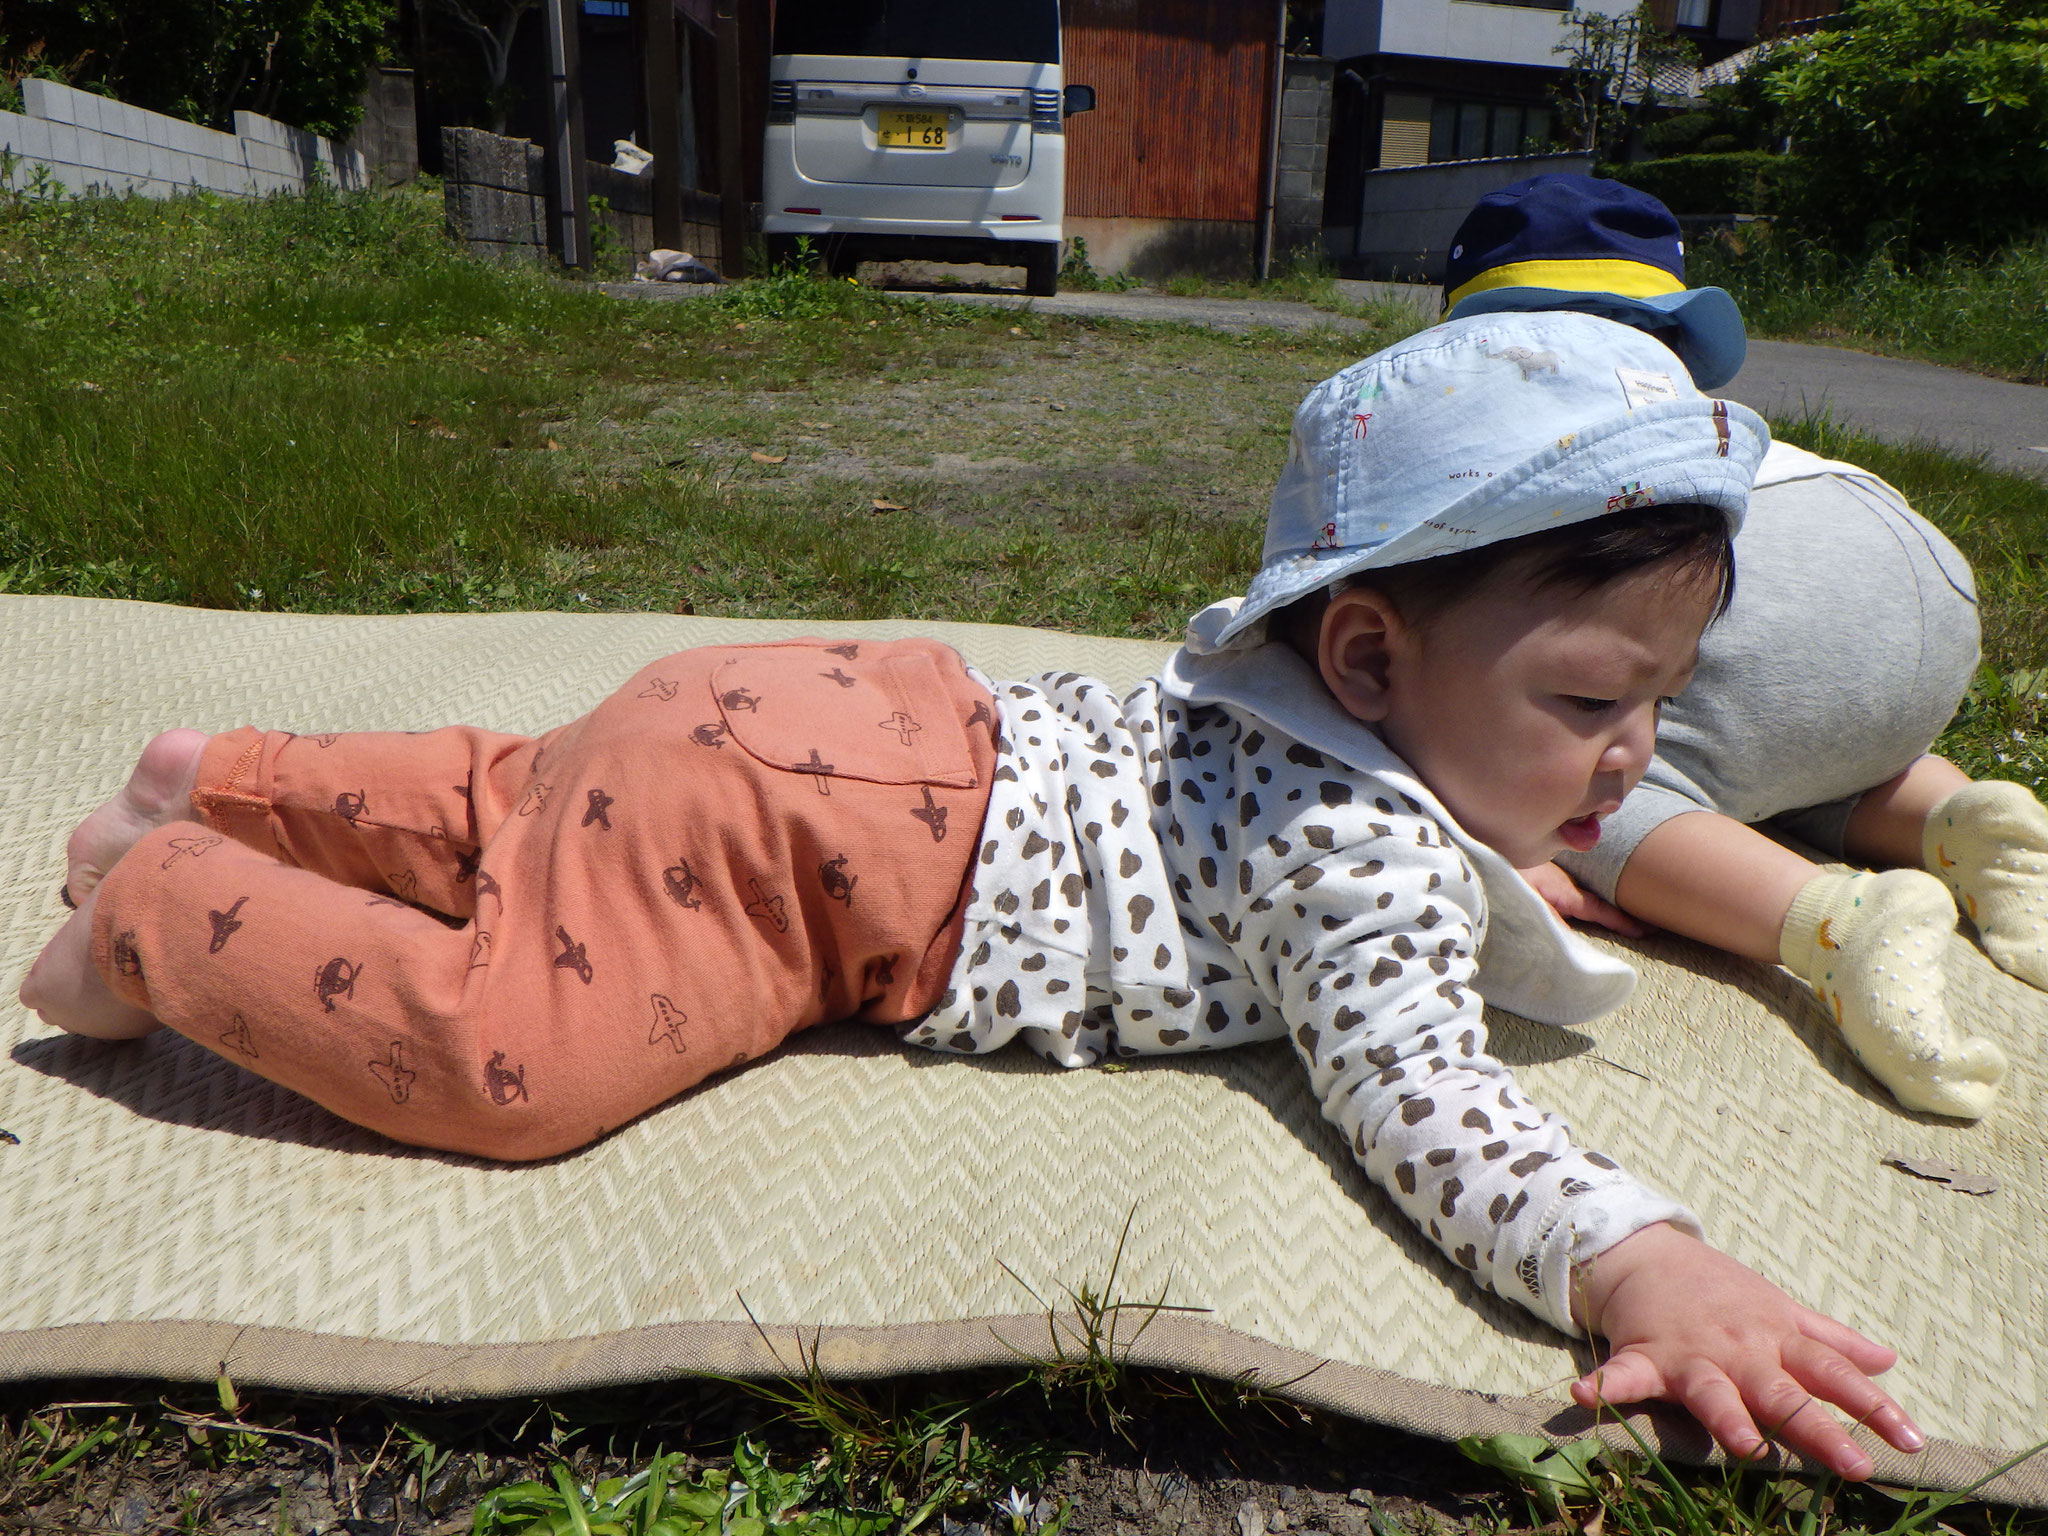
{"type": "Point", "coordinates": [1575, 903]}
{"type": "Point", "coordinates": [1685, 1322]}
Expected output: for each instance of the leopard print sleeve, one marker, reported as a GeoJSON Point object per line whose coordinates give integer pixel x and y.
{"type": "Point", "coordinates": [1369, 953]}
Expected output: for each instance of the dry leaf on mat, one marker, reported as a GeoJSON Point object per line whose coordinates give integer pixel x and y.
{"type": "Point", "coordinates": [434, 426]}
{"type": "Point", "coordinates": [769, 458]}
{"type": "Point", "coordinates": [883, 504]}
{"type": "Point", "coordinates": [1940, 1173]}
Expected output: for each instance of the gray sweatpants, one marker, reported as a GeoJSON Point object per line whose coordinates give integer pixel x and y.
{"type": "Point", "coordinates": [1852, 637]}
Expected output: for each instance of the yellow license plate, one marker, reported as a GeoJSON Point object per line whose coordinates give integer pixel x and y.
{"type": "Point", "coordinates": [910, 130]}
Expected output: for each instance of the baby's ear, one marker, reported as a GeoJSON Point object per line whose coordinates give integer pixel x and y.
{"type": "Point", "coordinates": [1361, 629]}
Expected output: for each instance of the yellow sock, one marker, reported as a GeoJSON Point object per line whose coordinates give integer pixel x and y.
{"type": "Point", "coordinates": [1871, 947]}
{"type": "Point", "coordinates": [1989, 844]}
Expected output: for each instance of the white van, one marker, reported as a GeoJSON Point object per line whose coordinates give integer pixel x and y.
{"type": "Point", "coordinates": [922, 129]}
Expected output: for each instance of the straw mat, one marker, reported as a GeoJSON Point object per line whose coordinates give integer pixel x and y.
{"type": "Point", "coordinates": [166, 1214]}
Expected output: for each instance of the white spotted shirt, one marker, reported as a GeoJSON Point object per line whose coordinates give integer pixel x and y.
{"type": "Point", "coordinates": [1159, 876]}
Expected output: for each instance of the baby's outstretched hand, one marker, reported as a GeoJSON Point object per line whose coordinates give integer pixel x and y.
{"type": "Point", "coordinates": [1573, 902]}
{"type": "Point", "coordinates": [1685, 1322]}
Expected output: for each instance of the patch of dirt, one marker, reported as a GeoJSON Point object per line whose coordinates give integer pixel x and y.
{"type": "Point", "coordinates": [327, 1467]}
{"type": "Point", "coordinates": [1182, 418]}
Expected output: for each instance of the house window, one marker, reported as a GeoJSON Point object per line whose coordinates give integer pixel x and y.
{"type": "Point", "coordinates": [606, 8]}
{"type": "Point", "coordinates": [1693, 13]}
{"type": "Point", "coordinates": [1404, 131]}
{"type": "Point", "coordinates": [1479, 130]}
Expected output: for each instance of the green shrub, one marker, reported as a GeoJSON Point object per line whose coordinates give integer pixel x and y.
{"type": "Point", "coordinates": [301, 61]}
{"type": "Point", "coordinates": [1922, 122]}
{"type": "Point", "coordinates": [1680, 135]}
{"type": "Point", "coordinates": [1744, 182]}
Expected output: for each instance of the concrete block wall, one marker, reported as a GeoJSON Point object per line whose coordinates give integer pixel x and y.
{"type": "Point", "coordinates": [496, 196]}
{"type": "Point", "coordinates": [1304, 156]}
{"type": "Point", "coordinates": [495, 193]}
{"type": "Point", "coordinates": [1408, 213]}
{"type": "Point", "coordinates": [91, 143]}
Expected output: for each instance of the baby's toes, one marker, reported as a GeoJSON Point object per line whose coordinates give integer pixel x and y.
{"type": "Point", "coordinates": [2025, 957]}
{"type": "Point", "coordinates": [65, 990]}
{"type": "Point", "coordinates": [1964, 1080]}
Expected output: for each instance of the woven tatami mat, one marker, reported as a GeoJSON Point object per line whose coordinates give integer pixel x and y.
{"type": "Point", "coordinates": [165, 1212]}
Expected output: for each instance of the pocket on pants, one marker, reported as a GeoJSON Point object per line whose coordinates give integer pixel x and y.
{"type": "Point", "coordinates": [877, 711]}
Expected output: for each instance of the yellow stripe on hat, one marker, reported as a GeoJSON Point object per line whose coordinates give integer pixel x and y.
{"type": "Point", "coordinates": [1598, 274]}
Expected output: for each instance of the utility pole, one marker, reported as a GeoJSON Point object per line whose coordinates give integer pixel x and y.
{"type": "Point", "coordinates": [732, 175]}
{"type": "Point", "coordinates": [663, 130]}
{"type": "Point", "coordinates": [568, 185]}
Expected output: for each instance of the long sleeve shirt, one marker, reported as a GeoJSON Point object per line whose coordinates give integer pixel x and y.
{"type": "Point", "coordinates": [1174, 870]}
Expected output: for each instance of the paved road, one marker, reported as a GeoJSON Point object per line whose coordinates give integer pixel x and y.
{"type": "Point", "coordinates": [1887, 397]}
{"type": "Point", "coordinates": [1900, 401]}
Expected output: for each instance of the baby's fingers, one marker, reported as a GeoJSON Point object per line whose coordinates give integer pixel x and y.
{"type": "Point", "coordinates": [1839, 1379]}
{"type": "Point", "coordinates": [1870, 1358]}
{"type": "Point", "coordinates": [1795, 1416]}
{"type": "Point", "coordinates": [1628, 1376]}
{"type": "Point", "coordinates": [1723, 1409]}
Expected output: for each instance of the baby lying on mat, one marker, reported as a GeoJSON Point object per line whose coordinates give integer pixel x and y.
{"type": "Point", "coordinates": [1486, 577]}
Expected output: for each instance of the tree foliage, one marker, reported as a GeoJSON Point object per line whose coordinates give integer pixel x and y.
{"type": "Point", "coordinates": [301, 61]}
{"type": "Point", "coordinates": [1920, 121]}
{"type": "Point", "coordinates": [1616, 72]}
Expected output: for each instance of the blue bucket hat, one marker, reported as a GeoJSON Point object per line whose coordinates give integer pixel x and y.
{"type": "Point", "coordinates": [1599, 247]}
{"type": "Point", "coordinates": [1480, 430]}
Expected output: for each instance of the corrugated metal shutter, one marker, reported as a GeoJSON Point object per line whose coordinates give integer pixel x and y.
{"type": "Point", "coordinates": [1404, 131]}
{"type": "Point", "coordinates": [1181, 91]}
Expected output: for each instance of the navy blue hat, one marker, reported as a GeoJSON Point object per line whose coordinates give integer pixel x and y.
{"type": "Point", "coordinates": [1600, 247]}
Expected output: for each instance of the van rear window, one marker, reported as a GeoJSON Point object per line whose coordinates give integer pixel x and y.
{"type": "Point", "coordinates": [1026, 30]}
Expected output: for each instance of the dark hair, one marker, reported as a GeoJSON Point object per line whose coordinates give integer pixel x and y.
{"type": "Point", "coordinates": [1690, 537]}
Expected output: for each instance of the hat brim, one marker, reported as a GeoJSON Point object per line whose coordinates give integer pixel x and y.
{"type": "Point", "coordinates": [1694, 450]}
{"type": "Point", "coordinates": [1711, 341]}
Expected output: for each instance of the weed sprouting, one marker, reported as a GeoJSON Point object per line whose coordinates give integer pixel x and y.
{"type": "Point", "coordinates": [1601, 1489]}
{"type": "Point", "coordinates": [1089, 1344]}
{"type": "Point", "coordinates": [1077, 271]}
{"type": "Point", "coordinates": [915, 1459]}
{"type": "Point", "coordinates": [797, 293]}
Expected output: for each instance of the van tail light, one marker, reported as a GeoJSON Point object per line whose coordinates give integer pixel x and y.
{"type": "Point", "coordinates": [1020, 218]}
{"type": "Point", "coordinates": [813, 212]}
{"type": "Point", "coordinates": [1046, 116]}
{"type": "Point", "coordinates": [782, 101]}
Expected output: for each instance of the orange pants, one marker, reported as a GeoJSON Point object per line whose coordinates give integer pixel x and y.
{"type": "Point", "coordinates": [506, 946]}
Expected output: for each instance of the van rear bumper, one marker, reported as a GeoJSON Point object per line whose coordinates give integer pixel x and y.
{"type": "Point", "coordinates": [964, 231]}
{"type": "Point", "coordinates": [842, 252]}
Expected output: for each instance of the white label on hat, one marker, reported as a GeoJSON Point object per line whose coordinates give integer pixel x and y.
{"type": "Point", "coordinates": [1641, 388]}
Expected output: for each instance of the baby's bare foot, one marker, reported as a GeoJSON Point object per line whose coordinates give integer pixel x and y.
{"type": "Point", "coordinates": [65, 990]}
{"type": "Point", "coordinates": [158, 791]}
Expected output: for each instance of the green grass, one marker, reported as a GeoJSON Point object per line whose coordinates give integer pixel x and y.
{"type": "Point", "coordinates": [1986, 314]}
{"type": "Point", "coordinates": [313, 404]}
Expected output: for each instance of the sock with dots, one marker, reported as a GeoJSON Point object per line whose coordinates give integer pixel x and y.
{"type": "Point", "coordinates": [1871, 947]}
{"type": "Point", "coordinates": [1989, 845]}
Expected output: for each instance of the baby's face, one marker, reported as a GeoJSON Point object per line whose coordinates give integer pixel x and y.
{"type": "Point", "coordinates": [1532, 713]}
